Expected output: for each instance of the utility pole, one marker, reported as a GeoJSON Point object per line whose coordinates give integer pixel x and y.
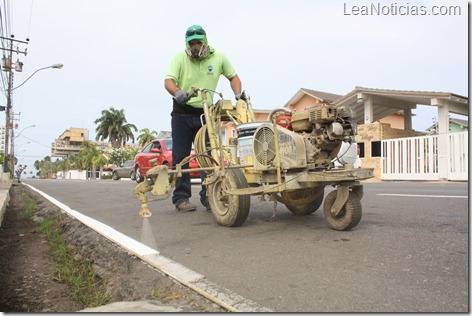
{"type": "Point", "coordinates": [7, 66]}
{"type": "Point", "coordinates": [12, 145]}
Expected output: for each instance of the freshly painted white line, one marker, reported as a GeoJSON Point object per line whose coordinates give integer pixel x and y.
{"type": "Point", "coordinates": [126, 242]}
{"type": "Point", "coordinates": [428, 196]}
{"type": "Point", "coordinates": [194, 280]}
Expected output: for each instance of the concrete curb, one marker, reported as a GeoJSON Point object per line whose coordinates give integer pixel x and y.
{"type": "Point", "coordinates": [4, 198]}
{"type": "Point", "coordinates": [193, 280]}
{"type": "Point", "coordinates": [137, 306]}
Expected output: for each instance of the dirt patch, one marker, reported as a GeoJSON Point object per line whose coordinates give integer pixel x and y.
{"type": "Point", "coordinates": [27, 276]}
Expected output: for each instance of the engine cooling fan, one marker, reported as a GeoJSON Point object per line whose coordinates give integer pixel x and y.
{"type": "Point", "coordinates": [264, 145]}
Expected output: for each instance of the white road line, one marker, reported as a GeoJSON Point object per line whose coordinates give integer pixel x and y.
{"type": "Point", "coordinates": [427, 196]}
{"type": "Point", "coordinates": [194, 280]}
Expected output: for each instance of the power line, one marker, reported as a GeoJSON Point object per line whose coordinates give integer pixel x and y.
{"type": "Point", "coordinates": [2, 34]}
{"type": "Point", "coordinates": [30, 18]}
{"type": "Point", "coordinates": [7, 17]}
{"type": "Point", "coordinates": [36, 141]}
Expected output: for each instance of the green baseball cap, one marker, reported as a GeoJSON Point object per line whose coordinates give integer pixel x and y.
{"type": "Point", "coordinates": [195, 32]}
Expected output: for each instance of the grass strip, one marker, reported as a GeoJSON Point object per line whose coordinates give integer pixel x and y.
{"type": "Point", "coordinates": [78, 273]}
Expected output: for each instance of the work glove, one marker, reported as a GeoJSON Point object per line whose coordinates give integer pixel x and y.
{"type": "Point", "coordinates": [181, 97]}
{"type": "Point", "coordinates": [242, 95]}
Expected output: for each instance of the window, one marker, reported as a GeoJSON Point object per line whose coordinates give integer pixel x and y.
{"type": "Point", "coordinates": [375, 150]}
{"type": "Point", "coordinates": [147, 148]}
{"type": "Point", "coordinates": [156, 144]}
{"type": "Point", "coordinates": [361, 150]}
{"type": "Point", "coordinates": [168, 144]}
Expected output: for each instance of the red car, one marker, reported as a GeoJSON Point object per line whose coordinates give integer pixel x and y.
{"type": "Point", "coordinates": [162, 150]}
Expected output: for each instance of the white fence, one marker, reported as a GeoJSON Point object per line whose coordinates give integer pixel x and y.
{"type": "Point", "coordinates": [458, 166]}
{"type": "Point", "coordinates": [72, 175]}
{"type": "Point", "coordinates": [416, 158]}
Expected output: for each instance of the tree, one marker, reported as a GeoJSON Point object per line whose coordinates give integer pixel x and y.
{"type": "Point", "coordinates": [112, 125]}
{"type": "Point", "coordinates": [44, 167]}
{"type": "Point", "coordinates": [36, 165]}
{"type": "Point", "coordinates": [146, 136]}
{"type": "Point", "coordinates": [62, 165]}
{"type": "Point", "coordinates": [120, 155]}
{"type": "Point", "coordinates": [91, 157]}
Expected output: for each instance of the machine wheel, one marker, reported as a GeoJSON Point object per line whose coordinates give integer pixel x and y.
{"type": "Point", "coordinates": [229, 210]}
{"type": "Point", "coordinates": [114, 176]}
{"type": "Point", "coordinates": [139, 177]}
{"type": "Point", "coordinates": [304, 203]}
{"type": "Point", "coordinates": [131, 176]}
{"type": "Point", "coordinates": [349, 216]}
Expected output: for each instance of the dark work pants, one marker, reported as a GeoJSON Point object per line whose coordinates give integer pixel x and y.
{"type": "Point", "coordinates": [184, 129]}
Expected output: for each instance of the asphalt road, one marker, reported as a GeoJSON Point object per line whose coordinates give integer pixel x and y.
{"type": "Point", "coordinates": [409, 253]}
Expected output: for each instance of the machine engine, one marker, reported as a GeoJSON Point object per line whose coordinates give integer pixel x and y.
{"type": "Point", "coordinates": [315, 140]}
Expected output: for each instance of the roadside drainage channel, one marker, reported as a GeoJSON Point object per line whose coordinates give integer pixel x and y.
{"type": "Point", "coordinates": [187, 277]}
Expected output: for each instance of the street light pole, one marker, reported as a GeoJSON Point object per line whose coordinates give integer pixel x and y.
{"type": "Point", "coordinates": [7, 66]}
{"type": "Point", "coordinates": [12, 151]}
{"type": "Point", "coordinates": [55, 66]}
{"type": "Point", "coordinates": [9, 122]}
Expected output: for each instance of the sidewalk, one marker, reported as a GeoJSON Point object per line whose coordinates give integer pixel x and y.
{"type": "Point", "coordinates": [4, 197]}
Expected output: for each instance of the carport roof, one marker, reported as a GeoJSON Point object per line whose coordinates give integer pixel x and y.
{"type": "Point", "coordinates": [416, 97]}
{"type": "Point", "coordinates": [387, 101]}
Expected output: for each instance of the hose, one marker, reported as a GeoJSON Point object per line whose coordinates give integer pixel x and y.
{"type": "Point", "coordinates": [201, 150]}
{"type": "Point", "coordinates": [278, 110]}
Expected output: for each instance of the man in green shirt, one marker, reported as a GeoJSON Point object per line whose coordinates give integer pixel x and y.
{"type": "Point", "coordinates": [200, 66]}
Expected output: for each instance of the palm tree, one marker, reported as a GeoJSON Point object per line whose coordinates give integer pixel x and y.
{"type": "Point", "coordinates": [114, 127]}
{"type": "Point", "coordinates": [36, 165]}
{"type": "Point", "coordinates": [91, 156]}
{"type": "Point", "coordinates": [44, 167]}
{"type": "Point", "coordinates": [62, 165]}
{"type": "Point", "coordinates": [146, 136]}
{"type": "Point", "coordinates": [73, 162]}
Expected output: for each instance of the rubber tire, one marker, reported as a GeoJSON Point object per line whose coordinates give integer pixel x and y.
{"type": "Point", "coordinates": [349, 216]}
{"type": "Point", "coordinates": [234, 211]}
{"type": "Point", "coordinates": [301, 194]}
{"type": "Point", "coordinates": [139, 177]}
{"type": "Point", "coordinates": [114, 176]}
{"type": "Point", "coordinates": [131, 176]}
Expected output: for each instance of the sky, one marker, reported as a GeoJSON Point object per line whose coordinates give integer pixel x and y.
{"type": "Point", "coordinates": [115, 54]}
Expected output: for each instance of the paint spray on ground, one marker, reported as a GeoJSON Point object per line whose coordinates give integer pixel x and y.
{"type": "Point", "coordinates": [147, 236]}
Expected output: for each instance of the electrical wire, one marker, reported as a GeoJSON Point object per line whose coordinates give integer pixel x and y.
{"type": "Point", "coordinates": [47, 146]}
{"type": "Point", "coordinates": [2, 34]}
{"type": "Point", "coordinates": [7, 16]}
{"type": "Point", "coordinates": [30, 18]}
{"type": "Point", "coordinates": [8, 25]}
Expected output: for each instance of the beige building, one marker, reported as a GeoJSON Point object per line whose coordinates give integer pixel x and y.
{"type": "Point", "coordinates": [70, 142]}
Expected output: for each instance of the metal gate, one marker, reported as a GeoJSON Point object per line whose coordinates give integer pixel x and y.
{"type": "Point", "coordinates": [416, 158]}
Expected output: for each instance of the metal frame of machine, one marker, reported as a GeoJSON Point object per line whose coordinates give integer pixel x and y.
{"type": "Point", "coordinates": [289, 164]}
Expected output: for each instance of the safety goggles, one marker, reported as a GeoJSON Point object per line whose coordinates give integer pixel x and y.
{"type": "Point", "coordinates": [195, 32]}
